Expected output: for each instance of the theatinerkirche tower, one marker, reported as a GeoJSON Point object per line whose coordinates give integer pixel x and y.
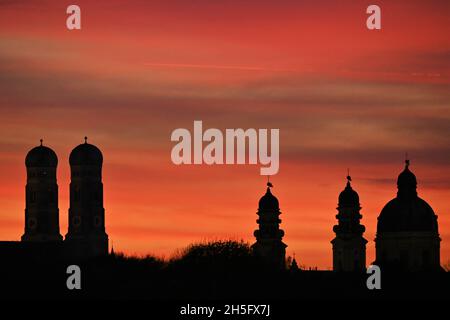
{"type": "Point", "coordinates": [86, 236]}
{"type": "Point", "coordinates": [41, 199]}
{"type": "Point", "coordinates": [269, 245]}
{"type": "Point", "coordinates": [349, 246]}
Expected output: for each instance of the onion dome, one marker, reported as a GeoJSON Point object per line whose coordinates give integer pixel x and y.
{"type": "Point", "coordinates": [268, 202]}
{"type": "Point", "coordinates": [86, 154]}
{"type": "Point", "coordinates": [41, 156]}
{"type": "Point", "coordinates": [348, 197]}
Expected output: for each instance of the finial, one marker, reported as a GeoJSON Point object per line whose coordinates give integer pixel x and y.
{"type": "Point", "coordinates": [269, 184]}
{"type": "Point", "coordinates": [406, 160]}
{"type": "Point", "coordinates": [348, 175]}
{"type": "Point", "coordinates": [42, 140]}
{"type": "Point", "coordinates": [85, 139]}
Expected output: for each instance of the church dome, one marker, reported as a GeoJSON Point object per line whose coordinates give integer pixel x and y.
{"type": "Point", "coordinates": [86, 154]}
{"type": "Point", "coordinates": [407, 212]}
{"type": "Point", "coordinates": [41, 156]}
{"type": "Point", "coordinates": [348, 197]}
{"type": "Point", "coordinates": [412, 215]}
{"type": "Point", "coordinates": [268, 201]}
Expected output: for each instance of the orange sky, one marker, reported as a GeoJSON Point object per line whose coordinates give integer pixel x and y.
{"type": "Point", "coordinates": [342, 96]}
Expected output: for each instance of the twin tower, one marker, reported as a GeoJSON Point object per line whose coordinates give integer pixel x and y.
{"type": "Point", "coordinates": [86, 236]}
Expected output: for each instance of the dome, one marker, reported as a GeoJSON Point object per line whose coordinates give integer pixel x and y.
{"type": "Point", "coordinates": [86, 154]}
{"type": "Point", "coordinates": [348, 197]}
{"type": "Point", "coordinates": [407, 215]}
{"type": "Point", "coordinates": [41, 156]}
{"type": "Point", "coordinates": [407, 212]}
{"type": "Point", "coordinates": [268, 202]}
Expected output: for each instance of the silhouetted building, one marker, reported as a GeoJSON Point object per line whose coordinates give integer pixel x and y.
{"type": "Point", "coordinates": [294, 265]}
{"type": "Point", "coordinates": [349, 246]}
{"type": "Point", "coordinates": [41, 196]}
{"type": "Point", "coordinates": [86, 235]}
{"type": "Point", "coordinates": [269, 244]}
{"type": "Point", "coordinates": [42, 240]}
{"type": "Point", "coordinates": [407, 231]}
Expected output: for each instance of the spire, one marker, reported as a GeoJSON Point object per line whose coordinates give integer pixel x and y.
{"type": "Point", "coordinates": [112, 249]}
{"type": "Point", "coordinates": [348, 177]}
{"type": "Point", "coordinates": [406, 160]}
{"type": "Point", "coordinates": [269, 184]}
{"type": "Point", "coordinates": [406, 181]}
{"type": "Point", "coordinates": [42, 140]}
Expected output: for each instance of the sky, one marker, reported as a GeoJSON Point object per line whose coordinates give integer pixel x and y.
{"type": "Point", "coordinates": [342, 96]}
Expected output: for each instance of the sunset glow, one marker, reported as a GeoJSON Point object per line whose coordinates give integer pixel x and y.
{"type": "Point", "coordinates": [342, 97]}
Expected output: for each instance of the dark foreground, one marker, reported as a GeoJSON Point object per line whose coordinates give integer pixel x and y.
{"type": "Point", "coordinates": [206, 278]}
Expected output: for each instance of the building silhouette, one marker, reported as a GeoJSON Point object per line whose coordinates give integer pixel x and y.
{"type": "Point", "coordinates": [86, 235]}
{"type": "Point", "coordinates": [407, 236]}
{"type": "Point", "coordinates": [42, 240]}
{"type": "Point", "coordinates": [41, 196]}
{"type": "Point", "coordinates": [349, 246]}
{"type": "Point", "coordinates": [269, 245]}
{"type": "Point", "coordinates": [407, 231]}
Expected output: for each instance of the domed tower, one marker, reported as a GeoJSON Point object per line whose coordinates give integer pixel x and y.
{"type": "Point", "coordinates": [269, 245]}
{"type": "Point", "coordinates": [407, 231]}
{"type": "Point", "coordinates": [349, 246]}
{"type": "Point", "coordinates": [86, 236]}
{"type": "Point", "coordinates": [41, 208]}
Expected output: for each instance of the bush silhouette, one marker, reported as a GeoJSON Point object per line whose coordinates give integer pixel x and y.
{"type": "Point", "coordinates": [219, 256]}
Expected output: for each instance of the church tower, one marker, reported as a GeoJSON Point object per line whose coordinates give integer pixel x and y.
{"type": "Point", "coordinates": [86, 236]}
{"type": "Point", "coordinates": [407, 231]}
{"type": "Point", "coordinates": [41, 199]}
{"type": "Point", "coordinates": [269, 245]}
{"type": "Point", "coordinates": [349, 246]}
